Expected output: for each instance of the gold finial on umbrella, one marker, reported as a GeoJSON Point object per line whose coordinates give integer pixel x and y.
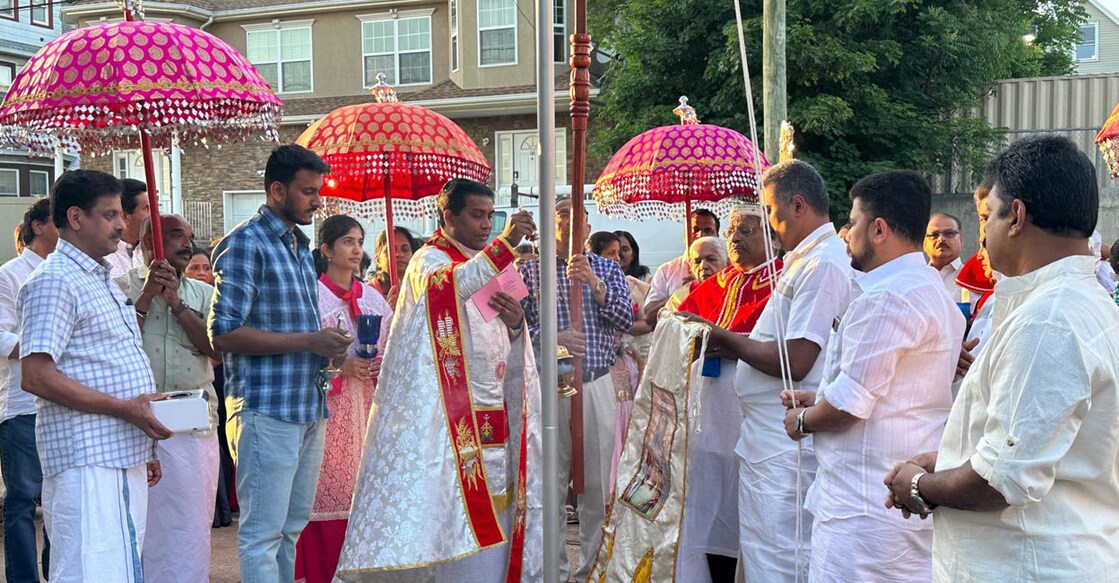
{"type": "Point", "coordinates": [686, 112]}
{"type": "Point", "coordinates": [785, 142]}
{"type": "Point", "coordinates": [383, 91]}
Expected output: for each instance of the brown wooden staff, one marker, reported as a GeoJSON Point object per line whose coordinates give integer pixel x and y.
{"type": "Point", "coordinates": [580, 110]}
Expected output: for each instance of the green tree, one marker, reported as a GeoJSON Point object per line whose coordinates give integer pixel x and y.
{"type": "Point", "coordinates": [872, 84]}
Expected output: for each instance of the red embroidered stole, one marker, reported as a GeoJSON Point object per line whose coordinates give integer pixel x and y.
{"type": "Point", "coordinates": [446, 321]}
{"type": "Point", "coordinates": [731, 299]}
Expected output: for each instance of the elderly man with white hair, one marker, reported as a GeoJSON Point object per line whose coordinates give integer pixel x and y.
{"type": "Point", "coordinates": [706, 256]}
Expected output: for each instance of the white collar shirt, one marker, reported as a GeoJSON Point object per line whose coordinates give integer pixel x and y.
{"type": "Point", "coordinates": [812, 292]}
{"type": "Point", "coordinates": [125, 259]}
{"type": "Point", "coordinates": [668, 278]}
{"type": "Point", "coordinates": [890, 364]}
{"type": "Point", "coordinates": [1038, 418]}
{"type": "Point", "coordinates": [13, 399]}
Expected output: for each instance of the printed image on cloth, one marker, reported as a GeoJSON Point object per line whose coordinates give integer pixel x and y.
{"type": "Point", "coordinates": [648, 489]}
{"type": "Point", "coordinates": [641, 533]}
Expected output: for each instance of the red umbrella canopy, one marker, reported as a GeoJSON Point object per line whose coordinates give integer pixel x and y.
{"type": "Point", "coordinates": [660, 172]}
{"type": "Point", "coordinates": [1108, 142]}
{"type": "Point", "coordinates": [96, 87]}
{"type": "Point", "coordinates": [403, 150]}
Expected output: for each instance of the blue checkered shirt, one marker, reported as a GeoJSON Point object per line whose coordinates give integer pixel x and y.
{"type": "Point", "coordinates": [600, 323]}
{"type": "Point", "coordinates": [264, 278]}
{"type": "Point", "coordinates": [71, 310]}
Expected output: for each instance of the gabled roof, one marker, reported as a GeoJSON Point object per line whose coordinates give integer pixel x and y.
{"type": "Point", "coordinates": [1105, 10]}
{"type": "Point", "coordinates": [450, 90]}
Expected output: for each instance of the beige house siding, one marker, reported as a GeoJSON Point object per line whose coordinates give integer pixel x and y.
{"type": "Point", "coordinates": [1108, 48]}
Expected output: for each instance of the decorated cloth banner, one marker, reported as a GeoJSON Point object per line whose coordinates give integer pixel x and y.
{"type": "Point", "coordinates": [642, 528]}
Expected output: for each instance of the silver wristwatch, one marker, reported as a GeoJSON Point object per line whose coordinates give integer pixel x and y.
{"type": "Point", "coordinates": [917, 501]}
{"type": "Point", "coordinates": [600, 287]}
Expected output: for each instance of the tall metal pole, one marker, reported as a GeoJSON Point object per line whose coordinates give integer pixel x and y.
{"type": "Point", "coordinates": [774, 96]}
{"type": "Point", "coordinates": [549, 391]}
{"type": "Point", "coordinates": [580, 111]}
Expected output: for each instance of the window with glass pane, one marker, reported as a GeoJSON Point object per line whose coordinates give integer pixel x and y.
{"type": "Point", "coordinates": [40, 183]}
{"type": "Point", "coordinates": [9, 182]}
{"type": "Point", "coordinates": [497, 32]}
{"type": "Point", "coordinates": [7, 9]}
{"type": "Point", "coordinates": [1086, 49]}
{"type": "Point", "coordinates": [7, 74]}
{"type": "Point", "coordinates": [559, 31]}
{"type": "Point", "coordinates": [400, 48]}
{"type": "Point", "coordinates": [454, 35]}
{"type": "Point", "coordinates": [41, 12]}
{"type": "Point", "coordinates": [516, 153]}
{"type": "Point", "coordinates": [282, 57]}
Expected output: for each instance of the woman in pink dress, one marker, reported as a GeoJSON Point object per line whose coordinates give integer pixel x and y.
{"type": "Point", "coordinates": [342, 298]}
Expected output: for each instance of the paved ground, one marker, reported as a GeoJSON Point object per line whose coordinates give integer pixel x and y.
{"type": "Point", "coordinates": [223, 559]}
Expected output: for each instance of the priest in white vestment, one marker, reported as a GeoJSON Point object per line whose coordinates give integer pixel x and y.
{"type": "Point", "coordinates": [449, 488]}
{"type": "Point", "coordinates": [1025, 483]}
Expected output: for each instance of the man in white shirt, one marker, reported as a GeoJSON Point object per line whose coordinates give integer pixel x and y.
{"type": "Point", "coordinates": [813, 291]}
{"type": "Point", "coordinates": [673, 274]}
{"type": "Point", "coordinates": [1025, 481]}
{"type": "Point", "coordinates": [134, 201]}
{"type": "Point", "coordinates": [886, 391]}
{"type": "Point", "coordinates": [943, 242]}
{"type": "Point", "coordinates": [19, 459]}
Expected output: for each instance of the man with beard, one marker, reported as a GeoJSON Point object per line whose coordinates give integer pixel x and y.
{"type": "Point", "coordinates": [886, 391]}
{"type": "Point", "coordinates": [171, 310]}
{"type": "Point", "coordinates": [265, 322]}
{"type": "Point", "coordinates": [134, 202]}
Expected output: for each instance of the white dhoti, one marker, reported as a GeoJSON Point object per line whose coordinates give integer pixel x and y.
{"type": "Point", "coordinates": [869, 550]}
{"type": "Point", "coordinates": [711, 504]}
{"type": "Point", "coordinates": [181, 510]}
{"type": "Point", "coordinates": [95, 519]}
{"type": "Point", "coordinates": [768, 508]}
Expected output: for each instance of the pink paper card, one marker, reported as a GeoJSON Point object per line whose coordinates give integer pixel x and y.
{"type": "Point", "coordinates": [508, 281]}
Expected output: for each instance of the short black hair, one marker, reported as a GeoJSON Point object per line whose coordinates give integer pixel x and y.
{"type": "Point", "coordinates": [286, 161]}
{"type": "Point", "coordinates": [902, 198]}
{"type": "Point", "coordinates": [200, 251]}
{"type": "Point", "coordinates": [524, 248]}
{"type": "Point", "coordinates": [950, 217]}
{"type": "Point", "coordinates": [598, 241]}
{"type": "Point", "coordinates": [453, 195]}
{"type": "Point", "coordinates": [80, 188]}
{"type": "Point", "coordinates": [707, 213]}
{"type": "Point", "coordinates": [1113, 258]}
{"type": "Point", "coordinates": [39, 211]}
{"type": "Point", "coordinates": [1055, 181]}
{"type": "Point", "coordinates": [793, 177]}
{"type": "Point", "coordinates": [129, 189]}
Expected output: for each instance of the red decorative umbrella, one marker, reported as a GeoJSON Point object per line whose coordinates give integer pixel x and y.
{"type": "Point", "coordinates": [664, 172]}
{"type": "Point", "coordinates": [1108, 142]}
{"type": "Point", "coordinates": [390, 151]}
{"type": "Point", "coordinates": [119, 85]}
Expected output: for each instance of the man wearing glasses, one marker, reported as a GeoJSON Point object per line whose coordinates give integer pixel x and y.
{"type": "Point", "coordinates": [942, 245]}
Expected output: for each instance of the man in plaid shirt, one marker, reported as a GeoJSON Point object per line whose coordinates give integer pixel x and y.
{"type": "Point", "coordinates": [265, 322]}
{"type": "Point", "coordinates": [81, 354]}
{"type": "Point", "coordinates": [607, 312]}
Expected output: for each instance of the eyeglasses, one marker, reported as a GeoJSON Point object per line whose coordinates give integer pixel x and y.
{"type": "Point", "coordinates": [744, 231]}
{"type": "Point", "coordinates": [947, 234]}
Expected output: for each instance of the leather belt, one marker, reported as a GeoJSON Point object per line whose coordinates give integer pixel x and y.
{"type": "Point", "coordinates": [592, 375]}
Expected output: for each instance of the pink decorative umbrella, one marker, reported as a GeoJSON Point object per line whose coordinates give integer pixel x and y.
{"type": "Point", "coordinates": [664, 172]}
{"type": "Point", "coordinates": [119, 85]}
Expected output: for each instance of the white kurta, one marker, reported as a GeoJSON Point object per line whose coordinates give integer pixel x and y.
{"type": "Point", "coordinates": [408, 515]}
{"type": "Point", "coordinates": [890, 365]}
{"type": "Point", "coordinates": [1038, 418]}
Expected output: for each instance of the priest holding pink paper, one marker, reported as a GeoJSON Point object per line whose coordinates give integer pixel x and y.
{"type": "Point", "coordinates": [450, 482]}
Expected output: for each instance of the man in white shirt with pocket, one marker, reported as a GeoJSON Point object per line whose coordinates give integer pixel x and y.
{"type": "Point", "coordinates": [1026, 481]}
{"type": "Point", "coordinates": [886, 391]}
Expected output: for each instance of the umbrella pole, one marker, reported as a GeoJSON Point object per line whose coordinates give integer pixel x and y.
{"type": "Point", "coordinates": [688, 233]}
{"type": "Point", "coordinates": [390, 235]}
{"type": "Point", "coordinates": [580, 110]}
{"type": "Point", "coordinates": [153, 195]}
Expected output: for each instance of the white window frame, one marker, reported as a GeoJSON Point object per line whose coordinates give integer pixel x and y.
{"type": "Point", "coordinates": [560, 153]}
{"type": "Point", "coordinates": [456, 48]}
{"type": "Point", "coordinates": [516, 33]}
{"type": "Point", "coordinates": [227, 217]}
{"type": "Point", "coordinates": [11, 12]}
{"type": "Point", "coordinates": [560, 56]}
{"type": "Point", "coordinates": [31, 182]}
{"type": "Point", "coordinates": [1095, 24]}
{"type": "Point", "coordinates": [12, 171]}
{"type": "Point", "coordinates": [397, 16]}
{"type": "Point", "coordinates": [49, 5]}
{"type": "Point", "coordinates": [129, 164]}
{"type": "Point", "coordinates": [276, 26]}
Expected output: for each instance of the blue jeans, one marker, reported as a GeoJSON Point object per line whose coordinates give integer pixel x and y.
{"type": "Point", "coordinates": [23, 477]}
{"type": "Point", "coordinates": [277, 474]}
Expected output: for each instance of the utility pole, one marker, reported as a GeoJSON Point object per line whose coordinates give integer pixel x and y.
{"type": "Point", "coordinates": [774, 96]}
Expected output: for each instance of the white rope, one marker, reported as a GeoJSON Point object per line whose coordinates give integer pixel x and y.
{"type": "Point", "coordinates": [782, 350]}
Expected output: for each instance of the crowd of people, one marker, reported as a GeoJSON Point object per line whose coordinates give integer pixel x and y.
{"type": "Point", "coordinates": [873, 408]}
